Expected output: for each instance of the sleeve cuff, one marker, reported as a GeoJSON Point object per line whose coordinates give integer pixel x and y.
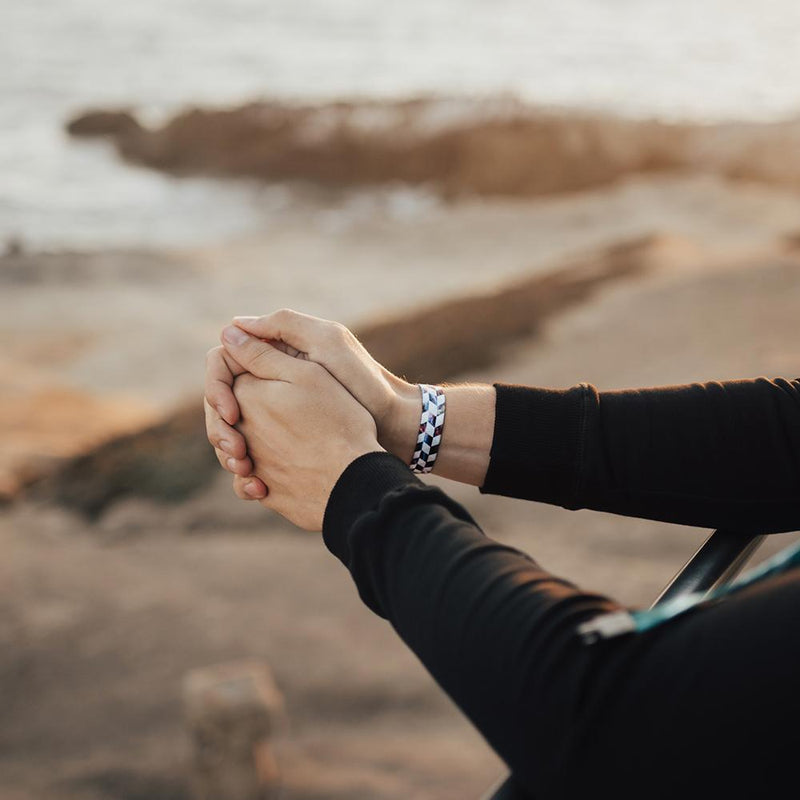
{"type": "Point", "coordinates": [536, 447]}
{"type": "Point", "coordinates": [360, 488]}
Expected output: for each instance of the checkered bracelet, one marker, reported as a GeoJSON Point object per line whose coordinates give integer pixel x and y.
{"type": "Point", "coordinates": [430, 428]}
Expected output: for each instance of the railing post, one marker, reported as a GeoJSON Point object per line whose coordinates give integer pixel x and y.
{"type": "Point", "coordinates": [718, 560]}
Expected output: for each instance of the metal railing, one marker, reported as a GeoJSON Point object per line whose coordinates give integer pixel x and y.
{"type": "Point", "coordinates": [717, 561]}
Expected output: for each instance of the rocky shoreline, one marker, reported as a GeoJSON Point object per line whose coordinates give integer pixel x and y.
{"type": "Point", "coordinates": [490, 147]}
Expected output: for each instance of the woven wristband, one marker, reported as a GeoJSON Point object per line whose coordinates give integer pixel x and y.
{"type": "Point", "coordinates": [430, 428]}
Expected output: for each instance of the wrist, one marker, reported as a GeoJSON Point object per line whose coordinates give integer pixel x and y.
{"type": "Point", "coordinates": [399, 425]}
{"type": "Point", "coordinates": [350, 453]}
{"type": "Point", "coordinates": [468, 433]}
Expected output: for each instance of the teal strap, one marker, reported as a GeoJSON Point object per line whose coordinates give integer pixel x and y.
{"type": "Point", "coordinates": [617, 623]}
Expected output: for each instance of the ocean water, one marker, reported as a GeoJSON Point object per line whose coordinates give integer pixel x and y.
{"type": "Point", "coordinates": [679, 59]}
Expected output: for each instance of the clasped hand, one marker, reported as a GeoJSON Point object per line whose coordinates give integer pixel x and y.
{"type": "Point", "coordinates": [291, 400]}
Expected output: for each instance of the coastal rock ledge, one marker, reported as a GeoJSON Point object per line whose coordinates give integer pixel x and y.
{"type": "Point", "coordinates": [494, 146]}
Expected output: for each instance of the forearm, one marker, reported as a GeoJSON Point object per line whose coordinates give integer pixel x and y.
{"type": "Point", "coordinates": [487, 622]}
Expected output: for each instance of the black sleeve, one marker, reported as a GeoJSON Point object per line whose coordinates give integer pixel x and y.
{"type": "Point", "coordinates": [715, 455]}
{"type": "Point", "coordinates": [491, 626]}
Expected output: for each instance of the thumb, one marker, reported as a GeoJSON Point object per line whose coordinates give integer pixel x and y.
{"type": "Point", "coordinates": [258, 357]}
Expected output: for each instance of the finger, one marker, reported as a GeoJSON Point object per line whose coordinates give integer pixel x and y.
{"type": "Point", "coordinates": [221, 435]}
{"type": "Point", "coordinates": [258, 357]}
{"type": "Point", "coordinates": [292, 351]}
{"type": "Point", "coordinates": [300, 331]}
{"type": "Point", "coordinates": [221, 371]}
{"type": "Point", "coordinates": [238, 489]}
{"type": "Point", "coordinates": [327, 343]}
{"type": "Point", "coordinates": [238, 466]}
{"type": "Point", "coordinates": [249, 488]}
{"type": "Point", "coordinates": [283, 347]}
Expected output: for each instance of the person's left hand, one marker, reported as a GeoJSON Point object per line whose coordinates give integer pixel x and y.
{"type": "Point", "coordinates": [301, 426]}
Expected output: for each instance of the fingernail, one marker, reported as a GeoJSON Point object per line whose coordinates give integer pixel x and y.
{"type": "Point", "coordinates": [251, 489]}
{"type": "Point", "coordinates": [231, 462]}
{"type": "Point", "coordinates": [225, 445]}
{"type": "Point", "coordinates": [234, 335]}
{"type": "Point", "coordinates": [245, 319]}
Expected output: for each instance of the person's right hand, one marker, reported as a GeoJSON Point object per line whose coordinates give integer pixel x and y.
{"type": "Point", "coordinates": [394, 404]}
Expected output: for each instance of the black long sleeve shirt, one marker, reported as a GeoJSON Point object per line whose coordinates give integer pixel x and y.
{"type": "Point", "coordinates": [713, 455]}
{"type": "Point", "coordinates": [493, 628]}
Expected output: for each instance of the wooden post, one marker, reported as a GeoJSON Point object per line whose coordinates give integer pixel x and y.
{"type": "Point", "coordinates": [231, 712]}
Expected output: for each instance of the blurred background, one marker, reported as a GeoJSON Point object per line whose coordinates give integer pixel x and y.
{"type": "Point", "coordinates": [575, 192]}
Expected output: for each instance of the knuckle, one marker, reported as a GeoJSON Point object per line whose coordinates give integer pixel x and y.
{"type": "Point", "coordinates": [243, 388]}
{"type": "Point", "coordinates": [213, 354]}
{"type": "Point", "coordinates": [284, 314]}
{"type": "Point", "coordinates": [333, 333]}
{"type": "Point", "coordinates": [314, 371]}
{"type": "Point", "coordinates": [262, 364]}
{"type": "Point", "coordinates": [214, 394]}
{"type": "Point", "coordinates": [263, 355]}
